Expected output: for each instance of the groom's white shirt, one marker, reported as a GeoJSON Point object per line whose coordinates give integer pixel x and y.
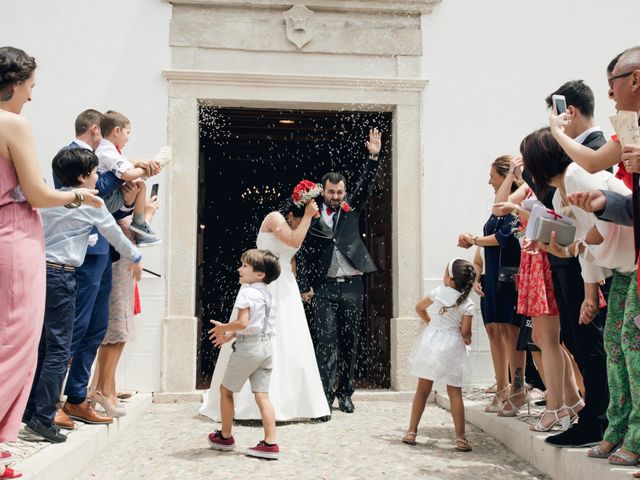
{"type": "Point", "coordinates": [328, 219]}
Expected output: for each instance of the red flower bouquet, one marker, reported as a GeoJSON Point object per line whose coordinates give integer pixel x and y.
{"type": "Point", "coordinates": [305, 191]}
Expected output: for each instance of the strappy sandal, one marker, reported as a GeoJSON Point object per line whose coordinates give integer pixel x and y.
{"type": "Point", "coordinates": [492, 389]}
{"type": "Point", "coordinates": [496, 404]}
{"type": "Point", "coordinates": [409, 438]}
{"type": "Point", "coordinates": [513, 409]}
{"type": "Point", "coordinates": [598, 452]}
{"type": "Point", "coordinates": [628, 460]}
{"type": "Point", "coordinates": [573, 416]}
{"type": "Point", "coordinates": [563, 421]}
{"type": "Point", "coordinates": [463, 445]}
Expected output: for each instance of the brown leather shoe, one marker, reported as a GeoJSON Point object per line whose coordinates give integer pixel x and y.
{"type": "Point", "coordinates": [63, 421]}
{"type": "Point", "coordinates": [84, 412]}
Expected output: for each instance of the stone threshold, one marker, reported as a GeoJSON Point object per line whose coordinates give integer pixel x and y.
{"type": "Point", "coordinates": [558, 463]}
{"type": "Point", "coordinates": [361, 394]}
{"type": "Point", "coordinates": [65, 461]}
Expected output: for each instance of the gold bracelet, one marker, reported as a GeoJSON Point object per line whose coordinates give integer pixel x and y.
{"type": "Point", "coordinates": [79, 200]}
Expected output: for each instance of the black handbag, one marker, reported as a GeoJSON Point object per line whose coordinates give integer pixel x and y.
{"type": "Point", "coordinates": [507, 274]}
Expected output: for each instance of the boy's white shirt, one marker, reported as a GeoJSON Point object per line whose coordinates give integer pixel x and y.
{"type": "Point", "coordinates": [110, 160]}
{"type": "Point", "coordinates": [252, 297]}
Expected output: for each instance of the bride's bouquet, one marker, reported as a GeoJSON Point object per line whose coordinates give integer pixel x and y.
{"type": "Point", "coordinates": [305, 191]}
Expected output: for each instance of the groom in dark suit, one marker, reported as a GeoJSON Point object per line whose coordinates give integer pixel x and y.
{"type": "Point", "coordinates": [332, 262]}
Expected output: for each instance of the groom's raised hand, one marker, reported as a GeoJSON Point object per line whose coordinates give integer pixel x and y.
{"type": "Point", "coordinates": [374, 143]}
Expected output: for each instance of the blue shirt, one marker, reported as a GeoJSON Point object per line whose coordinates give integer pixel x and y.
{"type": "Point", "coordinates": [67, 230]}
{"type": "Point", "coordinates": [105, 185]}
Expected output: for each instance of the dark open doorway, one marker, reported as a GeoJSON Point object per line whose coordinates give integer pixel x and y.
{"type": "Point", "coordinates": [250, 160]}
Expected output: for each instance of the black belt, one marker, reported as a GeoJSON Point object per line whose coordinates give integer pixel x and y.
{"type": "Point", "coordinates": [60, 266]}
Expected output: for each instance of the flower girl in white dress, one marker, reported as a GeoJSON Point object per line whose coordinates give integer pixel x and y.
{"type": "Point", "coordinates": [295, 388]}
{"type": "Point", "coordinates": [440, 351]}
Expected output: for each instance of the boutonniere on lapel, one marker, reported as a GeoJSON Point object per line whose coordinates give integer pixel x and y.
{"type": "Point", "coordinates": [345, 207]}
{"type": "Point", "coordinates": [305, 192]}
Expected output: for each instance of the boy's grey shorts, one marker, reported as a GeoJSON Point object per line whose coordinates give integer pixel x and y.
{"type": "Point", "coordinates": [114, 201]}
{"type": "Point", "coordinates": [252, 358]}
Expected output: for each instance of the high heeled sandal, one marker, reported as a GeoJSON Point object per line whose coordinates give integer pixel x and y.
{"type": "Point", "coordinates": [496, 403]}
{"type": "Point", "coordinates": [410, 438]}
{"type": "Point", "coordinates": [598, 452]}
{"type": "Point", "coordinates": [563, 421]}
{"type": "Point", "coordinates": [463, 445]}
{"type": "Point", "coordinates": [492, 389]}
{"type": "Point", "coordinates": [573, 416]}
{"type": "Point", "coordinates": [113, 411]}
{"type": "Point", "coordinates": [515, 409]}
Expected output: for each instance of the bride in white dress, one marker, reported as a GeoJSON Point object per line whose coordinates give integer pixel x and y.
{"type": "Point", "coordinates": [295, 389]}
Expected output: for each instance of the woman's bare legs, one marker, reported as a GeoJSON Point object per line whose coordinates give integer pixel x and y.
{"type": "Point", "coordinates": [496, 332]}
{"type": "Point", "coordinates": [108, 358]}
{"type": "Point", "coordinates": [546, 334]}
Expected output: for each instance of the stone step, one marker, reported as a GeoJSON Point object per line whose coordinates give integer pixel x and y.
{"type": "Point", "coordinates": [64, 461]}
{"type": "Point", "coordinates": [558, 463]}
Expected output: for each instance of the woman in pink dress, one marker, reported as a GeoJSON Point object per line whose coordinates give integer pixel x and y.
{"type": "Point", "coordinates": [22, 261]}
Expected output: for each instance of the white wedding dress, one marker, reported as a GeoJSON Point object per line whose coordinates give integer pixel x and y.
{"type": "Point", "coordinates": [295, 389]}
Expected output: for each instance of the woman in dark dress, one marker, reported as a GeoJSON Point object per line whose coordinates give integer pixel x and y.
{"type": "Point", "coordinates": [501, 249]}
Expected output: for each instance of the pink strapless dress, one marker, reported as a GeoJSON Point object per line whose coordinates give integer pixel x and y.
{"type": "Point", "coordinates": [22, 296]}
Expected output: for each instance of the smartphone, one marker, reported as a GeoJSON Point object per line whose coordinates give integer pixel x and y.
{"type": "Point", "coordinates": [559, 104]}
{"type": "Point", "coordinates": [154, 190]}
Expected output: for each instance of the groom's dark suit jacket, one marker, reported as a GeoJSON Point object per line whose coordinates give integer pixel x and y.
{"type": "Point", "coordinates": [314, 258]}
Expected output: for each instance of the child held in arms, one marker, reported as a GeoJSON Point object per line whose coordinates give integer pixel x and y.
{"type": "Point", "coordinates": [116, 129]}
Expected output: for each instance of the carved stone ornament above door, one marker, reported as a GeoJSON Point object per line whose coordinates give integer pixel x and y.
{"type": "Point", "coordinates": [299, 25]}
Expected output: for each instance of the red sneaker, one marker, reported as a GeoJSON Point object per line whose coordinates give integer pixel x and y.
{"type": "Point", "coordinates": [5, 458]}
{"type": "Point", "coordinates": [218, 443]}
{"type": "Point", "coordinates": [9, 474]}
{"type": "Point", "coordinates": [263, 450]}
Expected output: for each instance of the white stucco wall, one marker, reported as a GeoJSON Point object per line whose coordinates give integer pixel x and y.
{"type": "Point", "coordinates": [490, 65]}
{"type": "Point", "coordinates": [103, 55]}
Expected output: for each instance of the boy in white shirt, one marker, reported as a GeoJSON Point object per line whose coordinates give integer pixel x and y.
{"type": "Point", "coordinates": [252, 353]}
{"type": "Point", "coordinates": [116, 129]}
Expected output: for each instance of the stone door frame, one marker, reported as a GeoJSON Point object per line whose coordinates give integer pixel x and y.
{"type": "Point", "coordinates": [188, 89]}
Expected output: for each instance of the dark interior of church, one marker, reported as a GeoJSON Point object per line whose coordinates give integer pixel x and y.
{"type": "Point", "coordinates": [250, 160]}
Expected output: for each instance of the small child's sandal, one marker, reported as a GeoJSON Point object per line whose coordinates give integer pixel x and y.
{"type": "Point", "coordinates": [463, 445]}
{"type": "Point", "coordinates": [409, 438]}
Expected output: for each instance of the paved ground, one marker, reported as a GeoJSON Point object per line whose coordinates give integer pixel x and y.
{"type": "Point", "coordinates": [170, 442]}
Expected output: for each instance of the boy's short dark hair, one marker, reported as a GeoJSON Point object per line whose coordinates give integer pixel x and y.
{"type": "Point", "coordinates": [110, 120]}
{"type": "Point", "coordinates": [263, 261]}
{"type": "Point", "coordinates": [86, 119]}
{"type": "Point", "coordinates": [333, 177]}
{"type": "Point", "coordinates": [71, 163]}
{"type": "Point", "coordinates": [578, 94]}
